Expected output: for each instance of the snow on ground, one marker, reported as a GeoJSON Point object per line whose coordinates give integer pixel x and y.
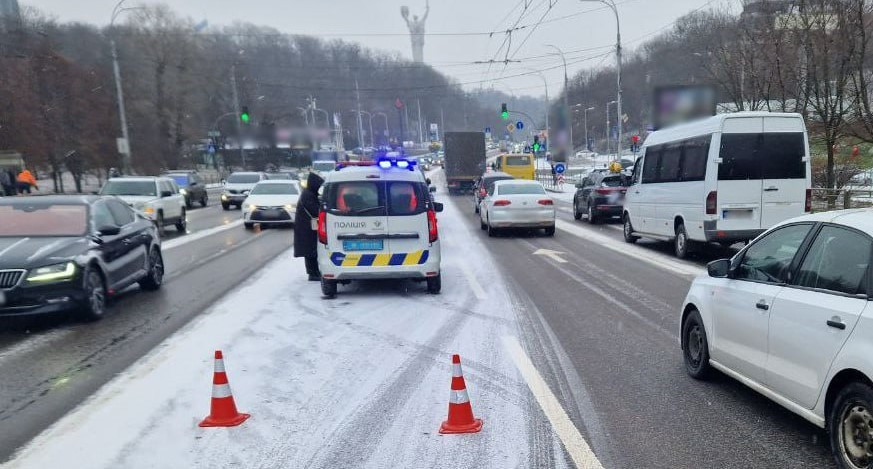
{"type": "Point", "coordinates": [359, 381]}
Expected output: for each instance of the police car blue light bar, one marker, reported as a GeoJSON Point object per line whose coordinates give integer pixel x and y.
{"type": "Point", "coordinates": [387, 163]}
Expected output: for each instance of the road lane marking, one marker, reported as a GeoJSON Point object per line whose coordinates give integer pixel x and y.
{"type": "Point", "coordinates": [474, 283]}
{"type": "Point", "coordinates": [627, 249]}
{"type": "Point", "coordinates": [188, 238]}
{"type": "Point", "coordinates": [32, 343]}
{"type": "Point", "coordinates": [569, 435]}
{"type": "Point", "coordinates": [553, 255]}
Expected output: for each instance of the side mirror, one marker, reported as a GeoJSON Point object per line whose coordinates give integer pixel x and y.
{"type": "Point", "coordinates": [223, 182]}
{"type": "Point", "coordinates": [192, 183]}
{"type": "Point", "coordinates": [719, 269]}
{"type": "Point", "coordinates": [109, 230]}
{"type": "Point", "coordinates": [437, 207]}
{"type": "Point", "coordinates": [427, 180]}
{"type": "Point", "coordinates": [166, 194]}
{"type": "Point", "coordinates": [432, 188]}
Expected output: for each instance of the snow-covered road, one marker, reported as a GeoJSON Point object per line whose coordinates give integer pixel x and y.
{"type": "Point", "coordinates": [359, 381]}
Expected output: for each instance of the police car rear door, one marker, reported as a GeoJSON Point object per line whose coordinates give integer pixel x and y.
{"type": "Point", "coordinates": [356, 221]}
{"type": "Point", "coordinates": [408, 203]}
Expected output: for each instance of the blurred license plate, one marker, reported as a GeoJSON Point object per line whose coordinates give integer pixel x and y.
{"type": "Point", "coordinates": [363, 245]}
{"type": "Point", "coordinates": [270, 213]}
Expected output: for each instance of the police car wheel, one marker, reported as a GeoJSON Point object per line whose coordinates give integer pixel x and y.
{"type": "Point", "coordinates": [328, 288]}
{"type": "Point", "coordinates": [434, 285]}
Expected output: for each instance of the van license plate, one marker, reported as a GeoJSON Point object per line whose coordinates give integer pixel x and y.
{"type": "Point", "coordinates": [363, 245]}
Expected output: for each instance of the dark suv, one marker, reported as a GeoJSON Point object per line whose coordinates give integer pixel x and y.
{"type": "Point", "coordinates": [600, 194]}
{"type": "Point", "coordinates": [191, 186]}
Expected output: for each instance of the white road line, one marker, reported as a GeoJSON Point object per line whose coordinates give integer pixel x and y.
{"type": "Point", "coordinates": [180, 241]}
{"type": "Point", "coordinates": [657, 260]}
{"type": "Point", "coordinates": [569, 435]}
{"type": "Point", "coordinates": [474, 283]}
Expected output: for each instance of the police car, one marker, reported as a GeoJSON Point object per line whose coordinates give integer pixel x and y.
{"type": "Point", "coordinates": [378, 221]}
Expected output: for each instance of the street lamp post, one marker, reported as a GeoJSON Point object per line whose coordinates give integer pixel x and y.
{"type": "Point", "coordinates": [370, 122]}
{"type": "Point", "coordinates": [567, 114]}
{"type": "Point", "coordinates": [607, 124]}
{"type": "Point", "coordinates": [387, 131]}
{"type": "Point", "coordinates": [546, 86]}
{"type": "Point", "coordinates": [116, 71]}
{"type": "Point", "coordinates": [587, 147]}
{"type": "Point", "coordinates": [612, 6]}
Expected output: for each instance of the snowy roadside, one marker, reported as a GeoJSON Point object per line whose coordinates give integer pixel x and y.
{"type": "Point", "coordinates": [362, 380]}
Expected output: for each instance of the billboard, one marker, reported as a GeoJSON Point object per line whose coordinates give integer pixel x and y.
{"type": "Point", "coordinates": [682, 103]}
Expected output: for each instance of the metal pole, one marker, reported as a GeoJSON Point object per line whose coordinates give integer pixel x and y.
{"type": "Point", "coordinates": [406, 118]}
{"type": "Point", "coordinates": [360, 124]}
{"type": "Point", "coordinates": [442, 124]}
{"type": "Point", "coordinates": [305, 115]}
{"type": "Point", "coordinates": [586, 127]}
{"type": "Point", "coordinates": [387, 131]}
{"type": "Point", "coordinates": [236, 109]}
{"type": "Point", "coordinates": [567, 114]}
{"type": "Point", "coordinates": [420, 128]}
{"type": "Point", "coordinates": [122, 116]}
{"type": "Point", "coordinates": [370, 120]}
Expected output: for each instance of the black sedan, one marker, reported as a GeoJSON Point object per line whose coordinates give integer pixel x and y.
{"type": "Point", "coordinates": [600, 194]}
{"type": "Point", "coordinates": [70, 253]}
{"type": "Point", "coordinates": [483, 185]}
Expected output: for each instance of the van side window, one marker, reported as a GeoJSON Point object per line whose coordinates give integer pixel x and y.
{"type": "Point", "coordinates": [651, 163]}
{"type": "Point", "coordinates": [668, 169]}
{"type": "Point", "coordinates": [694, 157]}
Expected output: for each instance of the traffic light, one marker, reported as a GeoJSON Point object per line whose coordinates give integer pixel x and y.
{"type": "Point", "coordinates": [635, 143]}
{"type": "Point", "coordinates": [536, 143]}
{"type": "Point", "coordinates": [504, 112]}
{"type": "Point", "coordinates": [244, 116]}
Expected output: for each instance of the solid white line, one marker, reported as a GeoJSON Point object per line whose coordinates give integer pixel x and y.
{"type": "Point", "coordinates": [180, 241]}
{"type": "Point", "coordinates": [569, 435]}
{"type": "Point", "coordinates": [656, 259]}
{"type": "Point", "coordinates": [471, 279]}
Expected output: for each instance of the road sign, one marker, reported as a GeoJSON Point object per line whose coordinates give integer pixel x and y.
{"type": "Point", "coordinates": [213, 133]}
{"type": "Point", "coordinates": [519, 125]}
{"type": "Point", "coordinates": [123, 146]}
{"type": "Point", "coordinates": [559, 168]}
{"type": "Point", "coordinates": [527, 149]}
{"type": "Point", "coordinates": [487, 130]}
{"type": "Point", "coordinates": [510, 128]}
{"type": "Point", "coordinates": [211, 149]}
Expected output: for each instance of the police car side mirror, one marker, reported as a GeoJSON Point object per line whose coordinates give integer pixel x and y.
{"type": "Point", "coordinates": [437, 207]}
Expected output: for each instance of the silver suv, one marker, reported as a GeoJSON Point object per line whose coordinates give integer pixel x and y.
{"type": "Point", "coordinates": [157, 198]}
{"type": "Point", "coordinates": [237, 187]}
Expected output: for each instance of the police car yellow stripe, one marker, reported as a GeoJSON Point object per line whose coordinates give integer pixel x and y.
{"type": "Point", "coordinates": [378, 260]}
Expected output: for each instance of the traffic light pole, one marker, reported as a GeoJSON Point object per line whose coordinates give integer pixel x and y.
{"type": "Point", "coordinates": [122, 116]}
{"type": "Point", "coordinates": [236, 109]}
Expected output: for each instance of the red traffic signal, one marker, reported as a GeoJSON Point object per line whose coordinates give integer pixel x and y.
{"type": "Point", "coordinates": [635, 139]}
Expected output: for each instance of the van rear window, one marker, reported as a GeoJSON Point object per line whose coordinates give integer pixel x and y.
{"type": "Point", "coordinates": [517, 160]}
{"type": "Point", "coordinates": [762, 156]}
{"type": "Point", "coordinates": [376, 198]}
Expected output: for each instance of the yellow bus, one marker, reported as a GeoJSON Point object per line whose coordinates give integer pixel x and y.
{"type": "Point", "coordinates": [517, 165]}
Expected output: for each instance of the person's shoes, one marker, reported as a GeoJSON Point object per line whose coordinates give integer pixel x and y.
{"type": "Point", "coordinates": [314, 278]}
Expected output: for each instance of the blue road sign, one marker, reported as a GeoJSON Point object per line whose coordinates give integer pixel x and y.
{"type": "Point", "coordinates": [519, 125]}
{"type": "Point", "coordinates": [527, 149]}
{"type": "Point", "coordinates": [211, 149]}
{"type": "Point", "coordinates": [559, 168]}
{"type": "Point", "coordinates": [487, 130]}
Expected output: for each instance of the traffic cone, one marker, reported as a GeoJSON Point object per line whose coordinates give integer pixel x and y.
{"type": "Point", "coordinates": [223, 411]}
{"type": "Point", "coordinates": [461, 418]}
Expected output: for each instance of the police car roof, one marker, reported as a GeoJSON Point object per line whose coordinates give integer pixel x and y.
{"type": "Point", "coordinates": [373, 173]}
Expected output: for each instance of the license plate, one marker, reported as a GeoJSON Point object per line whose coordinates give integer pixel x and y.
{"type": "Point", "coordinates": [363, 245]}
{"type": "Point", "coordinates": [270, 214]}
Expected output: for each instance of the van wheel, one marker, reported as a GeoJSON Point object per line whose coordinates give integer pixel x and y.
{"type": "Point", "coordinates": [695, 347]}
{"type": "Point", "coordinates": [681, 242]}
{"type": "Point", "coordinates": [850, 426]}
{"type": "Point", "coordinates": [629, 230]}
{"type": "Point", "coordinates": [328, 288]}
{"type": "Point", "coordinates": [434, 285]}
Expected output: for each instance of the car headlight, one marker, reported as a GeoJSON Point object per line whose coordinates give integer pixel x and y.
{"type": "Point", "coordinates": [290, 207]}
{"type": "Point", "coordinates": [250, 207]}
{"type": "Point", "coordinates": [149, 210]}
{"type": "Point", "coordinates": [183, 191]}
{"type": "Point", "coordinates": [223, 196]}
{"type": "Point", "coordinates": [53, 273]}
{"type": "Point", "coordinates": [245, 192]}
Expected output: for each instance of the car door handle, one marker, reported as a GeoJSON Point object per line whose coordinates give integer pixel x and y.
{"type": "Point", "coordinates": [836, 323]}
{"type": "Point", "coordinates": [762, 305]}
{"type": "Point", "coordinates": [771, 189]}
{"type": "Point", "coordinates": [636, 192]}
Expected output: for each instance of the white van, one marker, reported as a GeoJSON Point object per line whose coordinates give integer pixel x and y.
{"type": "Point", "coordinates": [723, 179]}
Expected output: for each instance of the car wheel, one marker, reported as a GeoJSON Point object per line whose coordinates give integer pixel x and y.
{"type": "Point", "coordinates": [695, 347]}
{"type": "Point", "coordinates": [492, 232]}
{"type": "Point", "coordinates": [225, 206]}
{"type": "Point", "coordinates": [681, 242]}
{"type": "Point", "coordinates": [94, 305]}
{"type": "Point", "coordinates": [328, 288]}
{"type": "Point", "coordinates": [482, 224]}
{"type": "Point", "coordinates": [629, 230]}
{"type": "Point", "coordinates": [155, 277]}
{"type": "Point", "coordinates": [248, 226]}
{"type": "Point", "coordinates": [434, 285]}
{"type": "Point", "coordinates": [182, 223]}
{"type": "Point", "coordinates": [576, 214]}
{"type": "Point", "coordinates": [850, 426]}
{"type": "Point", "coordinates": [592, 214]}
{"type": "Point", "coordinates": [550, 231]}
{"type": "Point", "coordinates": [188, 203]}
{"type": "Point", "coordinates": [204, 200]}
{"type": "Point", "coordinates": [475, 207]}
{"type": "Point", "coordinates": [160, 223]}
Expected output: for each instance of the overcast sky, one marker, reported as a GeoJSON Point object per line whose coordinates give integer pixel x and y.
{"type": "Point", "coordinates": [589, 31]}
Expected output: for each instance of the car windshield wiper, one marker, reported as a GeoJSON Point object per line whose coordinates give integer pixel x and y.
{"type": "Point", "coordinates": [368, 209]}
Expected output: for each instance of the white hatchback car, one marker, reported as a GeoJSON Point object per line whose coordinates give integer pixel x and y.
{"type": "Point", "coordinates": [790, 316]}
{"type": "Point", "coordinates": [516, 203]}
{"type": "Point", "coordinates": [271, 202]}
{"type": "Point", "coordinates": [378, 222]}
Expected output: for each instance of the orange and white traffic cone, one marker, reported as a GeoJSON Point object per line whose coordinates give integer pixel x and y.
{"type": "Point", "coordinates": [223, 411]}
{"type": "Point", "coordinates": [461, 418]}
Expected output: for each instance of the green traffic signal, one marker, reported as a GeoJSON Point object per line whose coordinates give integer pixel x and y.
{"type": "Point", "coordinates": [244, 115]}
{"type": "Point", "coordinates": [504, 111]}
{"type": "Point", "coordinates": [504, 115]}
{"type": "Point", "coordinates": [536, 147]}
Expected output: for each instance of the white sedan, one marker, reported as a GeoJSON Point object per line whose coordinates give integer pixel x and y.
{"type": "Point", "coordinates": [791, 317]}
{"type": "Point", "coordinates": [517, 203]}
{"type": "Point", "coordinates": [272, 201]}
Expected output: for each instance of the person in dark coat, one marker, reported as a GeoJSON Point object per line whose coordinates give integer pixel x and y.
{"type": "Point", "coordinates": [305, 238]}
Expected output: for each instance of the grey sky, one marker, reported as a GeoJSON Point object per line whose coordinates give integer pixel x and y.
{"type": "Point", "coordinates": [357, 19]}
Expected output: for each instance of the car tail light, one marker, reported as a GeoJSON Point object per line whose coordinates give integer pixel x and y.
{"type": "Point", "coordinates": [808, 205]}
{"type": "Point", "coordinates": [501, 203]}
{"type": "Point", "coordinates": [322, 227]}
{"type": "Point", "coordinates": [712, 203]}
{"type": "Point", "coordinates": [482, 193]}
{"type": "Point", "coordinates": [603, 191]}
{"type": "Point", "coordinates": [545, 202]}
{"type": "Point", "coordinates": [432, 229]}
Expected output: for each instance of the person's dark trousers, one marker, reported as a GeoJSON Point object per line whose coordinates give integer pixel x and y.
{"type": "Point", "coordinates": [23, 187]}
{"type": "Point", "coordinates": [312, 266]}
